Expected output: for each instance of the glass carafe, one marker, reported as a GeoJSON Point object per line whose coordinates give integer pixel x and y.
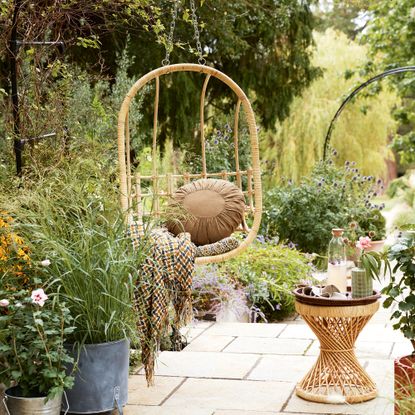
{"type": "Point", "coordinates": [337, 261]}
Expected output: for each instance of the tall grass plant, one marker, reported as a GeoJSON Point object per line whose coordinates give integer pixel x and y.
{"type": "Point", "coordinates": [73, 220]}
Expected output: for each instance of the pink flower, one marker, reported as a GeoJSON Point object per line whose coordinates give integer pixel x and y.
{"type": "Point", "coordinates": [364, 243]}
{"type": "Point", "coordinates": [39, 297]}
{"type": "Point", "coordinates": [4, 303]}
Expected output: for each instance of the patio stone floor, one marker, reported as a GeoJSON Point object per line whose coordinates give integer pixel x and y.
{"type": "Point", "coordinates": [252, 369]}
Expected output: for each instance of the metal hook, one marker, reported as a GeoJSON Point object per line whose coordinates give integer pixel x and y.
{"type": "Point", "coordinates": [5, 405]}
{"type": "Point", "coordinates": [116, 399]}
{"type": "Point", "coordinates": [67, 403]}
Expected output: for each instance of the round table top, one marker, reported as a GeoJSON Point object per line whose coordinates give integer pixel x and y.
{"type": "Point", "coordinates": [329, 302]}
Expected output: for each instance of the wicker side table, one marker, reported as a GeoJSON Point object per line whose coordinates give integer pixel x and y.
{"type": "Point", "coordinates": [337, 375]}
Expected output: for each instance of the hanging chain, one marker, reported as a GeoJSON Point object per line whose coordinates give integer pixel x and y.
{"type": "Point", "coordinates": [201, 59]}
{"type": "Point", "coordinates": [169, 46]}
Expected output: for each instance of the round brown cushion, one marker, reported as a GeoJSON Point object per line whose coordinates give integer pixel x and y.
{"type": "Point", "coordinates": [216, 208]}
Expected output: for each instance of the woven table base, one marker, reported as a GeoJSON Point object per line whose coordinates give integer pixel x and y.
{"type": "Point", "coordinates": [337, 376]}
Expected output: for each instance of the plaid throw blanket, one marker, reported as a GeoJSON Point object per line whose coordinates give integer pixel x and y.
{"type": "Point", "coordinates": [165, 278]}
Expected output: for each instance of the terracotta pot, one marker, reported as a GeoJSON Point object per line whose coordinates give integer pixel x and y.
{"type": "Point", "coordinates": [404, 384]}
{"type": "Point", "coordinates": [377, 246]}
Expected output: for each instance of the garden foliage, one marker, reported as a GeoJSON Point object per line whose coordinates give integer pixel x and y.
{"type": "Point", "coordinates": [269, 272]}
{"type": "Point", "coordinates": [32, 336]}
{"type": "Point", "coordinates": [390, 36]}
{"type": "Point", "coordinates": [74, 221]}
{"type": "Point", "coordinates": [361, 133]}
{"type": "Point", "coordinates": [331, 197]}
{"type": "Point", "coordinates": [401, 288]}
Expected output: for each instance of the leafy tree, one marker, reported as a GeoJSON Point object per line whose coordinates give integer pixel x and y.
{"type": "Point", "coordinates": [348, 16]}
{"type": "Point", "coordinates": [361, 133]}
{"type": "Point", "coordinates": [263, 45]}
{"type": "Point", "coordinates": [391, 40]}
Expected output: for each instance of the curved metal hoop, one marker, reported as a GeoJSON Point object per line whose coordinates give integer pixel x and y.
{"type": "Point", "coordinates": [126, 185]}
{"type": "Point", "coordinates": [354, 93]}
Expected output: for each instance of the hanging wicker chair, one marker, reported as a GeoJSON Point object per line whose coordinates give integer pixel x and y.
{"type": "Point", "coordinates": [136, 188]}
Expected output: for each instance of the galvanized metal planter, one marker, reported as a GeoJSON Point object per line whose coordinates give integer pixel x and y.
{"type": "Point", "coordinates": [101, 380]}
{"type": "Point", "coordinates": [18, 405]}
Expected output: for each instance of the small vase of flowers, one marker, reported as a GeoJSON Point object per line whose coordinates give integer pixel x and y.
{"type": "Point", "coordinates": [369, 265]}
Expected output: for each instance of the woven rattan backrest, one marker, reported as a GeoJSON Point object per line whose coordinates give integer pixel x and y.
{"type": "Point", "coordinates": [132, 194]}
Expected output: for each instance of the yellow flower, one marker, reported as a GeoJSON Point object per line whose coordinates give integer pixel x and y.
{"type": "Point", "coordinates": [17, 239]}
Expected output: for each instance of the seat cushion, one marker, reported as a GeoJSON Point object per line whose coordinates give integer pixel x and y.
{"type": "Point", "coordinates": [215, 209]}
{"type": "Point", "coordinates": [217, 248]}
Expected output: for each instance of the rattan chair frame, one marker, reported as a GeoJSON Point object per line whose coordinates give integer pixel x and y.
{"type": "Point", "coordinates": [130, 184]}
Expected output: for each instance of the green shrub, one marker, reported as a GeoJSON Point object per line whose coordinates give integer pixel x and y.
{"type": "Point", "coordinates": [270, 273]}
{"type": "Point", "coordinates": [73, 220]}
{"type": "Point", "coordinates": [331, 197]}
{"type": "Point", "coordinates": [397, 187]}
{"type": "Point", "coordinates": [404, 219]}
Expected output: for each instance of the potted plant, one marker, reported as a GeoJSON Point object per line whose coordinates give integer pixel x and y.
{"type": "Point", "coordinates": [368, 222]}
{"type": "Point", "coordinates": [97, 268]}
{"type": "Point", "coordinates": [33, 329]}
{"type": "Point", "coordinates": [400, 291]}
{"type": "Point", "coordinates": [80, 230]}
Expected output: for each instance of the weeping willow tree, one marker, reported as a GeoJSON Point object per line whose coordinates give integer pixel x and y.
{"type": "Point", "coordinates": [362, 132]}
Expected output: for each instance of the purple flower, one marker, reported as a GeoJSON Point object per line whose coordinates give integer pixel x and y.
{"type": "Point", "coordinates": [278, 307]}
{"type": "Point", "coordinates": [261, 239]}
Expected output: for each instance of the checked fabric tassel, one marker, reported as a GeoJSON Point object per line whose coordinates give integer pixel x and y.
{"type": "Point", "coordinates": [165, 278]}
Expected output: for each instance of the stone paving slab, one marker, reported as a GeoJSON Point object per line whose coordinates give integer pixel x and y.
{"type": "Point", "coordinates": [282, 368]}
{"type": "Point", "coordinates": [297, 331]}
{"type": "Point", "coordinates": [380, 333]}
{"type": "Point", "coordinates": [191, 333]}
{"type": "Point", "coordinates": [264, 345]}
{"type": "Point", "coordinates": [401, 349]}
{"type": "Point", "coordinates": [204, 365]}
{"type": "Point", "coordinates": [158, 410]}
{"type": "Point", "coordinates": [140, 394]}
{"type": "Point", "coordinates": [231, 412]}
{"type": "Point", "coordinates": [252, 369]}
{"type": "Point", "coordinates": [246, 329]}
{"type": "Point", "coordinates": [208, 343]}
{"type": "Point", "coordinates": [231, 394]}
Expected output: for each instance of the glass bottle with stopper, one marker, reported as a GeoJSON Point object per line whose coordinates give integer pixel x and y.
{"type": "Point", "coordinates": [337, 261]}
